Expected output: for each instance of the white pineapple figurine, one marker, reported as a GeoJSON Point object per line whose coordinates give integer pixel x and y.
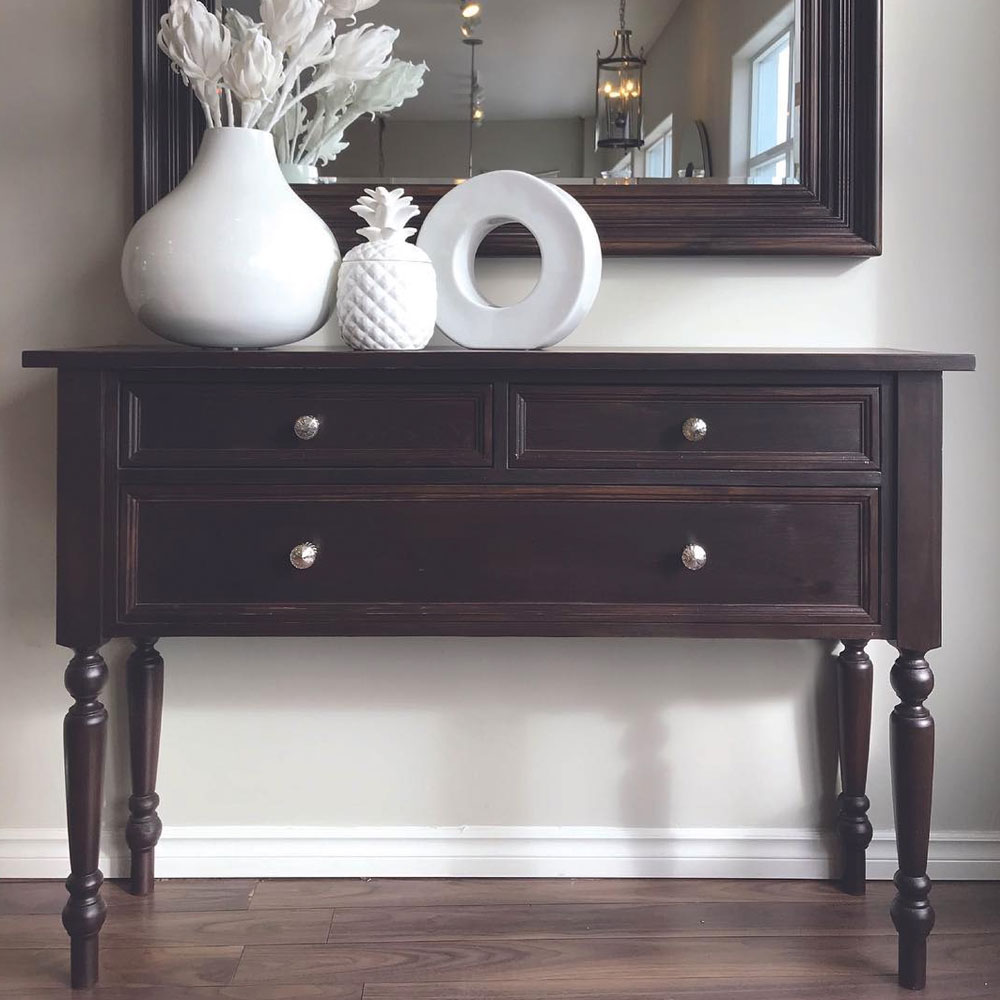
{"type": "Point", "coordinates": [386, 291]}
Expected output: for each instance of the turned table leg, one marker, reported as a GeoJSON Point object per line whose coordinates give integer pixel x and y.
{"type": "Point", "coordinates": [854, 686]}
{"type": "Point", "coordinates": [911, 748]}
{"type": "Point", "coordinates": [145, 704]}
{"type": "Point", "coordinates": [84, 738]}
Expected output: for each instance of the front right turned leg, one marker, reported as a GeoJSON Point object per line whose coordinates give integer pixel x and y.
{"type": "Point", "coordinates": [84, 740]}
{"type": "Point", "coordinates": [911, 751]}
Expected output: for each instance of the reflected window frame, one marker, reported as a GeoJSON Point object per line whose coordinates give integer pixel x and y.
{"type": "Point", "coordinates": [764, 166]}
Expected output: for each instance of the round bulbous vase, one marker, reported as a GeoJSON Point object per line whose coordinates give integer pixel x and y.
{"type": "Point", "coordinates": [232, 257]}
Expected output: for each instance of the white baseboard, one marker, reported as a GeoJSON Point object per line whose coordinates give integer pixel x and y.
{"type": "Point", "coordinates": [484, 852]}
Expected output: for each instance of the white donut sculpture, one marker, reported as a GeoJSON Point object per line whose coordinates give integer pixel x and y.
{"type": "Point", "coordinates": [571, 261]}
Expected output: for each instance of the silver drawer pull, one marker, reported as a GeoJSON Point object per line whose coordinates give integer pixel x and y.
{"type": "Point", "coordinates": [304, 555]}
{"type": "Point", "coordinates": [694, 557]}
{"type": "Point", "coordinates": [694, 429]}
{"type": "Point", "coordinates": [307, 427]}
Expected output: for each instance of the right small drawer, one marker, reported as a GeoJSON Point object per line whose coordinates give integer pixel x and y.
{"type": "Point", "coordinates": [694, 427]}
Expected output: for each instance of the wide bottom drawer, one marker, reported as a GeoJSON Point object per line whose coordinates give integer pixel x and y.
{"type": "Point", "coordinates": [496, 554]}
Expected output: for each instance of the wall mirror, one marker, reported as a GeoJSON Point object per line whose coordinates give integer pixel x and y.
{"type": "Point", "coordinates": [727, 126]}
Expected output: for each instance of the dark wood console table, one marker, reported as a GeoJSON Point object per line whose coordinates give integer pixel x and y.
{"type": "Point", "coordinates": [461, 493]}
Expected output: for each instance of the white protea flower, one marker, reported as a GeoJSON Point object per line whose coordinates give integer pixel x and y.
{"type": "Point", "coordinates": [387, 213]}
{"type": "Point", "coordinates": [363, 53]}
{"type": "Point", "coordinates": [347, 8]}
{"type": "Point", "coordinates": [254, 73]}
{"type": "Point", "coordinates": [397, 83]}
{"type": "Point", "coordinates": [289, 22]}
{"type": "Point", "coordinates": [198, 45]}
{"type": "Point", "coordinates": [239, 24]}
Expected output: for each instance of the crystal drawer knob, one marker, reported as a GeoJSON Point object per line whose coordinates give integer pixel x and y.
{"type": "Point", "coordinates": [303, 556]}
{"type": "Point", "coordinates": [694, 557]}
{"type": "Point", "coordinates": [694, 429]}
{"type": "Point", "coordinates": [306, 428]}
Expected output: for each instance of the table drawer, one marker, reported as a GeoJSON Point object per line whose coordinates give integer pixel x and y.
{"type": "Point", "coordinates": [705, 427]}
{"type": "Point", "coordinates": [229, 424]}
{"type": "Point", "coordinates": [557, 554]}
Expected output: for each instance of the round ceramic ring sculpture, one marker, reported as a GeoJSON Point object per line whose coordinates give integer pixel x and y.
{"type": "Point", "coordinates": [571, 261]}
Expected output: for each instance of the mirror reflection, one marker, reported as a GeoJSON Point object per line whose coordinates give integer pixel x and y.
{"type": "Point", "coordinates": [592, 91]}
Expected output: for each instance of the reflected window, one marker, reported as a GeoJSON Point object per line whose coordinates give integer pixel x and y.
{"type": "Point", "coordinates": [771, 97]}
{"type": "Point", "coordinates": [659, 155]}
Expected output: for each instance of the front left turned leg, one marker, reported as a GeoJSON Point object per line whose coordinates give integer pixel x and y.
{"type": "Point", "coordinates": [911, 750]}
{"type": "Point", "coordinates": [84, 739]}
{"type": "Point", "coordinates": [854, 689]}
{"type": "Point", "coordinates": [145, 706]}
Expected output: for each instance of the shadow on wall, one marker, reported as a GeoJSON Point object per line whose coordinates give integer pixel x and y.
{"type": "Point", "coordinates": [488, 732]}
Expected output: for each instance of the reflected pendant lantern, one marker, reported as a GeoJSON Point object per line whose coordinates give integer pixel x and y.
{"type": "Point", "coordinates": [619, 92]}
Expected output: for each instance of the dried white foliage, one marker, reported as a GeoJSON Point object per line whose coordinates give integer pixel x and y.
{"type": "Point", "coordinates": [292, 74]}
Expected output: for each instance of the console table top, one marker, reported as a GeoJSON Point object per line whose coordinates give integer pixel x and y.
{"type": "Point", "coordinates": [555, 359]}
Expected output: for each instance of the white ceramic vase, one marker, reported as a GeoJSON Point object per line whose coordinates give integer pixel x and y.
{"type": "Point", "coordinates": [232, 257]}
{"type": "Point", "coordinates": [570, 250]}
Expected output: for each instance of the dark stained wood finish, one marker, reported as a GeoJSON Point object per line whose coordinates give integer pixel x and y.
{"type": "Point", "coordinates": [510, 931]}
{"type": "Point", "coordinates": [911, 751]}
{"type": "Point", "coordinates": [223, 553]}
{"type": "Point", "coordinates": [486, 960]}
{"type": "Point", "coordinates": [173, 896]}
{"type": "Point", "coordinates": [836, 210]}
{"type": "Point", "coordinates": [918, 518]}
{"type": "Point", "coordinates": [224, 424]}
{"type": "Point", "coordinates": [167, 123]}
{"type": "Point", "coordinates": [145, 706]}
{"type": "Point", "coordinates": [81, 454]}
{"type": "Point", "coordinates": [629, 427]}
{"type": "Point", "coordinates": [854, 688]}
{"type": "Point", "coordinates": [21, 970]}
{"type": "Point", "coordinates": [958, 987]}
{"type": "Point", "coordinates": [84, 740]}
{"type": "Point", "coordinates": [817, 498]}
{"type": "Point", "coordinates": [302, 361]}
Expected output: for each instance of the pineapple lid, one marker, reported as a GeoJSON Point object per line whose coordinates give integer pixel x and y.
{"type": "Point", "coordinates": [386, 214]}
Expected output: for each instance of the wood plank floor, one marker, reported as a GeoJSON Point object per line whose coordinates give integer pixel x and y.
{"type": "Point", "coordinates": [499, 939]}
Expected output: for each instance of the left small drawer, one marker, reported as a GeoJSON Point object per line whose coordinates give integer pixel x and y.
{"type": "Point", "coordinates": [291, 424]}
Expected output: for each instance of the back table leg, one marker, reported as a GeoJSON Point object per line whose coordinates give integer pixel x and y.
{"type": "Point", "coordinates": [145, 705]}
{"type": "Point", "coordinates": [854, 686]}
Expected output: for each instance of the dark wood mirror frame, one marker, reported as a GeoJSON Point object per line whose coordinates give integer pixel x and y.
{"type": "Point", "coordinates": [835, 211]}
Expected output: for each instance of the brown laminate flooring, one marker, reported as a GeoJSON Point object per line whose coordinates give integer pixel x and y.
{"type": "Point", "coordinates": [498, 939]}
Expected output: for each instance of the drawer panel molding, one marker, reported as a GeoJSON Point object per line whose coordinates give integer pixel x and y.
{"type": "Point", "coordinates": [694, 427]}
{"type": "Point", "coordinates": [267, 425]}
{"type": "Point", "coordinates": [468, 560]}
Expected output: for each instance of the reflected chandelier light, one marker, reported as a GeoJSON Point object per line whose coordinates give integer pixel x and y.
{"type": "Point", "coordinates": [618, 108]}
{"type": "Point", "coordinates": [472, 16]}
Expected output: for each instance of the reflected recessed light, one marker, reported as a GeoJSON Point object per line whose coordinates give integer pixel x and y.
{"type": "Point", "coordinates": [471, 8]}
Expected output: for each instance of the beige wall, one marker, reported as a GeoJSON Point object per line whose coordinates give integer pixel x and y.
{"type": "Point", "coordinates": [520, 732]}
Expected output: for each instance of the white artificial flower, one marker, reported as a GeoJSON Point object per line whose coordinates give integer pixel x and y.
{"type": "Point", "coordinates": [254, 74]}
{"type": "Point", "coordinates": [347, 8]}
{"type": "Point", "coordinates": [397, 83]}
{"type": "Point", "coordinates": [335, 99]}
{"type": "Point", "coordinates": [194, 40]}
{"type": "Point", "coordinates": [239, 24]}
{"type": "Point", "coordinates": [198, 45]}
{"type": "Point", "coordinates": [289, 22]}
{"type": "Point", "coordinates": [363, 53]}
